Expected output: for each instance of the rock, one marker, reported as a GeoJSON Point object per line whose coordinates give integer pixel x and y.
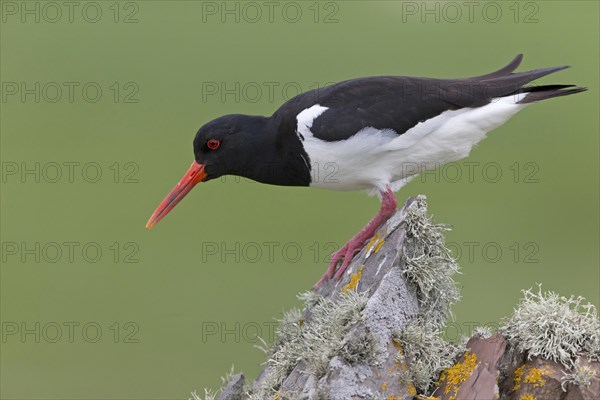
{"type": "Point", "coordinates": [365, 365]}
{"type": "Point", "coordinates": [544, 380]}
{"type": "Point", "coordinates": [480, 382]}
{"type": "Point", "coordinates": [234, 390]}
{"type": "Point", "coordinates": [488, 370]}
{"type": "Point", "coordinates": [375, 334]}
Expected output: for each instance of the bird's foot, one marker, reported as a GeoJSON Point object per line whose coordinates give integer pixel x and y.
{"type": "Point", "coordinates": [346, 253]}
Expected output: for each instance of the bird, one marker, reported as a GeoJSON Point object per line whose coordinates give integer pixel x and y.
{"type": "Point", "coordinates": [374, 133]}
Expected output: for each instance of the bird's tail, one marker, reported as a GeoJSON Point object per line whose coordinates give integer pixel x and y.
{"type": "Point", "coordinates": [537, 93]}
{"type": "Point", "coordinates": [508, 83]}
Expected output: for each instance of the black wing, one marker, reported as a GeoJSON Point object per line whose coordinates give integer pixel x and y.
{"type": "Point", "coordinates": [399, 102]}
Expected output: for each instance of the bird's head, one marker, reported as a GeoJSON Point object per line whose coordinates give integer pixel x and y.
{"type": "Point", "coordinates": [224, 146]}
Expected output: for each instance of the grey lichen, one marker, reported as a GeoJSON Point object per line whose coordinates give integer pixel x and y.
{"type": "Point", "coordinates": [580, 376]}
{"type": "Point", "coordinates": [316, 341]}
{"type": "Point", "coordinates": [429, 265]}
{"type": "Point", "coordinates": [359, 347]}
{"type": "Point", "coordinates": [211, 394]}
{"type": "Point", "coordinates": [483, 332]}
{"type": "Point", "coordinates": [427, 353]}
{"type": "Point", "coordinates": [554, 327]}
{"type": "Point", "coordinates": [208, 395]}
{"type": "Point", "coordinates": [430, 269]}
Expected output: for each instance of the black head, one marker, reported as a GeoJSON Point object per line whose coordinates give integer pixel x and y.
{"type": "Point", "coordinates": [250, 146]}
{"type": "Point", "coordinates": [233, 145]}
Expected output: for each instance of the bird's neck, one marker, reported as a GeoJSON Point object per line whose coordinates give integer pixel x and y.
{"type": "Point", "coordinates": [282, 159]}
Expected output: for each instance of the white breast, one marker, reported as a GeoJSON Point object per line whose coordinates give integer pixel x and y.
{"type": "Point", "coordinates": [373, 159]}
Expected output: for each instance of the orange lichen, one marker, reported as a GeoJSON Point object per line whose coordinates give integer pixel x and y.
{"type": "Point", "coordinates": [354, 278]}
{"type": "Point", "coordinates": [384, 386]}
{"type": "Point", "coordinates": [458, 374]}
{"type": "Point", "coordinates": [535, 377]}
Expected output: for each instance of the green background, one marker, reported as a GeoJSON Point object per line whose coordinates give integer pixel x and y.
{"type": "Point", "coordinates": [176, 290]}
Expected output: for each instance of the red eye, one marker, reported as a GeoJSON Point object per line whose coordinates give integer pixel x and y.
{"type": "Point", "coordinates": [213, 144]}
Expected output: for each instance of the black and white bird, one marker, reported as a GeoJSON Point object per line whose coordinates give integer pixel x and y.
{"type": "Point", "coordinates": [371, 133]}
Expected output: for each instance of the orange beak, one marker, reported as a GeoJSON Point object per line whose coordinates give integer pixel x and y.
{"type": "Point", "coordinates": [191, 178]}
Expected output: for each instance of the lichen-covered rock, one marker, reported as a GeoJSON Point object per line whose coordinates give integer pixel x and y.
{"type": "Point", "coordinates": [548, 380]}
{"type": "Point", "coordinates": [475, 375]}
{"type": "Point", "coordinates": [342, 346]}
{"type": "Point", "coordinates": [357, 360]}
{"type": "Point", "coordinates": [583, 382]}
{"type": "Point", "coordinates": [376, 334]}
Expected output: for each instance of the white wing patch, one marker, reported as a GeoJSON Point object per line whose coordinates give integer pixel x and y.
{"type": "Point", "coordinates": [306, 118]}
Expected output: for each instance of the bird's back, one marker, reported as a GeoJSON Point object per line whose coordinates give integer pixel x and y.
{"type": "Point", "coordinates": [401, 102]}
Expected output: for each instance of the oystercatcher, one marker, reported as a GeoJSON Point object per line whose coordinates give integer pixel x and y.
{"type": "Point", "coordinates": [371, 133]}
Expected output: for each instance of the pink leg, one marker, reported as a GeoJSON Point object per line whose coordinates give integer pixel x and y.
{"type": "Point", "coordinates": [388, 208]}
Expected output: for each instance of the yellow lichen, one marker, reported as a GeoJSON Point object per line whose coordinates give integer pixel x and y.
{"type": "Point", "coordinates": [384, 386]}
{"type": "Point", "coordinates": [442, 378]}
{"type": "Point", "coordinates": [372, 241]}
{"type": "Point", "coordinates": [458, 374]}
{"type": "Point", "coordinates": [401, 365]}
{"type": "Point", "coordinates": [399, 362]}
{"type": "Point", "coordinates": [378, 245]}
{"type": "Point", "coordinates": [527, 397]}
{"type": "Point", "coordinates": [412, 390]}
{"type": "Point", "coordinates": [354, 278]}
{"type": "Point", "coordinates": [518, 375]}
{"type": "Point", "coordinates": [535, 377]}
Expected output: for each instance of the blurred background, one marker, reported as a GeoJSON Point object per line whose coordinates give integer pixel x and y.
{"type": "Point", "coordinates": [100, 103]}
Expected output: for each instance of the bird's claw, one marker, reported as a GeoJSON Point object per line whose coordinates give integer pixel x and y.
{"type": "Point", "coordinates": [345, 254]}
{"type": "Point", "coordinates": [348, 254]}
